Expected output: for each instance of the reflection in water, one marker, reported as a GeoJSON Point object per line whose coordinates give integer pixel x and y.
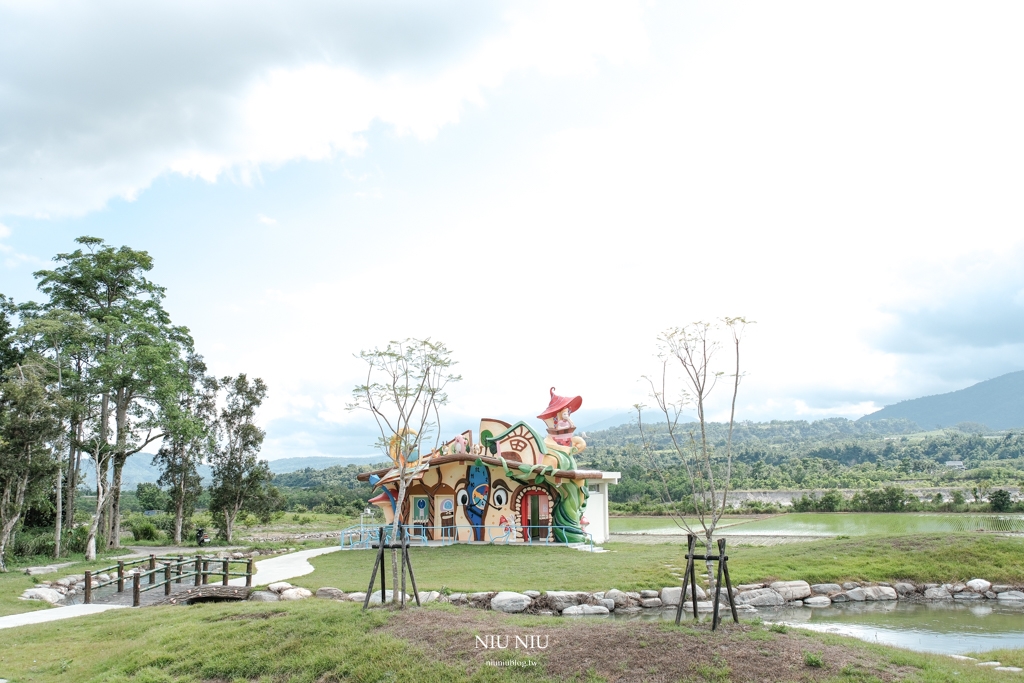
{"type": "Point", "coordinates": [943, 627]}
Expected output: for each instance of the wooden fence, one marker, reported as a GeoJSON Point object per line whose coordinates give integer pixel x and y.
{"type": "Point", "coordinates": [145, 575]}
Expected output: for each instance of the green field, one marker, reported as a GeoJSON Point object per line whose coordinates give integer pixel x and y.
{"type": "Point", "coordinates": [838, 524]}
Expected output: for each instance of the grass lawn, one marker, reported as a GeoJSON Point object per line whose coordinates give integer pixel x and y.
{"type": "Point", "coordinates": [321, 641]}
{"type": "Point", "coordinates": [15, 581]}
{"type": "Point", "coordinates": [923, 558]}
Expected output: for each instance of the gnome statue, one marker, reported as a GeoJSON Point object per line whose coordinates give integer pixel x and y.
{"type": "Point", "coordinates": [562, 447]}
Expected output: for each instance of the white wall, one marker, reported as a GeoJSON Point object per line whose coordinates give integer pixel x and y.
{"type": "Point", "coordinates": [596, 512]}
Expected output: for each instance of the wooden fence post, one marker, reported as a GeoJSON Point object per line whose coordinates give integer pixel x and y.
{"type": "Point", "coordinates": [88, 587]}
{"type": "Point", "coordinates": [152, 569]}
{"type": "Point", "coordinates": [206, 572]}
{"type": "Point", "coordinates": [181, 561]}
{"type": "Point", "coordinates": [136, 594]}
{"type": "Point", "coordinates": [248, 574]}
{"type": "Point", "coordinates": [120, 576]}
{"type": "Point", "coordinates": [199, 569]}
{"type": "Point", "coordinates": [225, 581]}
{"type": "Point", "coordinates": [167, 579]}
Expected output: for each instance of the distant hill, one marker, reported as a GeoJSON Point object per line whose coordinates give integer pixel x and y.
{"type": "Point", "coordinates": [628, 418]}
{"type": "Point", "coordinates": [996, 403]}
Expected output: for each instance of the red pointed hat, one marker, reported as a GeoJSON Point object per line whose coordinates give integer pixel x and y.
{"type": "Point", "coordinates": [559, 402]}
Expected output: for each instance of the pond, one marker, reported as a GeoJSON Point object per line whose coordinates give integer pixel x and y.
{"type": "Point", "coordinates": [940, 627]}
{"type": "Point", "coordinates": [833, 524]}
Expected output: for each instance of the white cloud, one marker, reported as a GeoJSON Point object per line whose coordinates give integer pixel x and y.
{"type": "Point", "coordinates": [266, 220]}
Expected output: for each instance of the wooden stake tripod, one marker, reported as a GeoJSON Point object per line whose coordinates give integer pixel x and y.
{"type": "Point", "coordinates": [690, 578]}
{"type": "Point", "coordinates": [406, 561]}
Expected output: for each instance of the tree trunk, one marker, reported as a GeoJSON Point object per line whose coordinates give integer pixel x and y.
{"type": "Point", "coordinates": [179, 514]}
{"type": "Point", "coordinates": [10, 514]}
{"type": "Point", "coordinates": [395, 533]}
{"type": "Point", "coordinates": [59, 517]}
{"type": "Point", "coordinates": [709, 565]}
{"type": "Point", "coordinates": [114, 540]}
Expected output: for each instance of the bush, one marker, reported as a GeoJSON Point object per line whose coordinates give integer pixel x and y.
{"type": "Point", "coordinates": [144, 530]}
{"type": "Point", "coordinates": [1000, 500]}
{"type": "Point", "coordinates": [813, 660]}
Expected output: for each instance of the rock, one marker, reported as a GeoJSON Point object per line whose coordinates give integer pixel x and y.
{"type": "Point", "coordinates": [559, 600]}
{"type": "Point", "coordinates": [856, 595]}
{"type": "Point", "coordinates": [584, 610]}
{"type": "Point", "coordinates": [1010, 595]}
{"type": "Point", "coordinates": [650, 602]}
{"type": "Point", "coordinates": [840, 597]}
{"type": "Point", "coordinates": [633, 595]}
{"type": "Point", "coordinates": [296, 594]}
{"type": "Point", "coordinates": [610, 604]}
{"type": "Point", "coordinates": [937, 593]}
{"type": "Point", "coordinates": [825, 588]}
{"type": "Point", "coordinates": [330, 593]}
{"type": "Point", "coordinates": [237, 556]}
{"type": "Point", "coordinates": [791, 590]}
{"type": "Point", "coordinates": [532, 594]}
{"type": "Point", "coordinates": [45, 594]}
{"type": "Point", "coordinates": [883, 583]}
{"type": "Point", "coordinates": [988, 664]}
{"type": "Point", "coordinates": [817, 601]}
{"type": "Point", "coordinates": [746, 608]}
{"type": "Point", "coordinates": [458, 598]}
{"type": "Point", "coordinates": [511, 603]}
{"type": "Point", "coordinates": [979, 585]}
{"type": "Point", "coordinates": [430, 596]}
{"type": "Point", "coordinates": [1014, 669]}
{"type": "Point", "coordinates": [954, 587]}
{"type": "Point", "coordinates": [356, 597]}
{"type": "Point", "coordinates": [76, 578]}
{"type": "Point", "coordinates": [670, 595]}
{"type": "Point", "coordinates": [478, 596]}
{"type": "Point", "coordinates": [967, 595]}
{"type": "Point", "coordinates": [879, 593]}
{"type": "Point", "coordinates": [903, 588]}
{"type": "Point", "coordinates": [796, 603]}
{"type": "Point", "coordinates": [1001, 588]}
{"type": "Point", "coordinates": [648, 594]}
{"type": "Point", "coordinates": [279, 587]}
{"type": "Point", "coordinates": [263, 596]}
{"type": "Point", "coordinates": [36, 571]}
{"type": "Point", "coordinates": [990, 595]}
{"type": "Point", "coordinates": [760, 597]}
{"type": "Point", "coordinates": [598, 596]}
{"type": "Point", "coordinates": [618, 597]}
{"type": "Point", "coordinates": [749, 586]}
{"type": "Point", "coordinates": [388, 596]}
{"type": "Point", "coordinates": [850, 585]}
{"type": "Point", "coordinates": [931, 585]}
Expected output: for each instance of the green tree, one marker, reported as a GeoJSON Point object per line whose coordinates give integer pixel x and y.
{"type": "Point", "coordinates": [240, 478]}
{"type": "Point", "coordinates": [1000, 500]}
{"type": "Point", "coordinates": [150, 496]}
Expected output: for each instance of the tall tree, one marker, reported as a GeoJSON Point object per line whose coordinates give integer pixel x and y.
{"type": "Point", "coordinates": [188, 426]}
{"type": "Point", "coordinates": [135, 350]}
{"type": "Point", "coordinates": [404, 390]}
{"type": "Point", "coordinates": [690, 350]}
{"type": "Point", "coordinates": [240, 478]}
{"type": "Point", "coordinates": [28, 425]}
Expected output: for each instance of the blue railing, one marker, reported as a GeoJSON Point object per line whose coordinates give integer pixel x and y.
{"type": "Point", "coordinates": [365, 536]}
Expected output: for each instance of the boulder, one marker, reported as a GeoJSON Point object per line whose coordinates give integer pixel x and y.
{"type": "Point", "coordinates": [279, 587]}
{"type": "Point", "coordinates": [559, 600]}
{"type": "Point", "coordinates": [931, 585]}
{"type": "Point", "coordinates": [1010, 595]}
{"type": "Point", "coordinates": [598, 595]}
{"type": "Point", "coordinates": [237, 556]}
{"type": "Point", "coordinates": [388, 596]}
{"type": "Point", "coordinates": [356, 597]}
{"type": "Point", "coordinates": [979, 585]}
{"type": "Point", "coordinates": [296, 594]}
{"type": "Point", "coordinates": [954, 587]}
{"type": "Point", "coordinates": [761, 597]}
{"type": "Point", "coordinates": [749, 586]}
{"type": "Point", "coordinates": [879, 593]}
{"type": "Point", "coordinates": [1001, 588]}
{"type": "Point", "coordinates": [330, 593]}
{"type": "Point", "coordinates": [532, 594]}
{"type": "Point", "coordinates": [817, 601]}
{"type": "Point", "coordinates": [610, 604]}
{"type": "Point", "coordinates": [633, 595]}
{"type": "Point", "coordinates": [618, 597]}
{"type": "Point", "coordinates": [511, 603]}
{"type": "Point", "coordinates": [584, 610]}
{"type": "Point", "coordinates": [937, 593]}
{"type": "Point", "coordinates": [458, 598]}
{"type": "Point", "coordinates": [968, 595]}
{"type": "Point", "coordinates": [903, 588]}
{"type": "Point", "coordinates": [850, 585]}
{"type": "Point", "coordinates": [429, 596]}
{"type": "Point", "coordinates": [990, 595]}
{"type": "Point", "coordinates": [670, 594]}
{"type": "Point", "coordinates": [648, 594]}
{"type": "Point", "coordinates": [856, 595]}
{"type": "Point", "coordinates": [263, 596]}
{"type": "Point", "coordinates": [840, 597]}
{"type": "Point", "coordinates": [792, 590]}
{"type": "Point", "coordinates": [650, 602]}
{"type": "Point", "coordinates": [796, 603]}
{"type": "Point", "coordinates": [825, 588]}
{"type": "Point", "coordinates": [45, 594]}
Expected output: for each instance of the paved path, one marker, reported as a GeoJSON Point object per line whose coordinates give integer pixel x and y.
{"type": "Point", "coordinates": [271, 570]}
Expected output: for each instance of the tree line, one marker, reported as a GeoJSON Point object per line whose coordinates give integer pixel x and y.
{"type": "Point", "coordinates": [93, 375]}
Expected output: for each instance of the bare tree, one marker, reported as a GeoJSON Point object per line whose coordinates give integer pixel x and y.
{"type": "Point", "coordinates": [405, 387]}
{"type": "Point", "coordinates": [692, 349]}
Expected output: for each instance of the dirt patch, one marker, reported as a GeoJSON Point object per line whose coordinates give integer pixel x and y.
{"type": "Point", "coordinates": [251, 616]}
{"type": "Point", "coordinates": [632, 650]}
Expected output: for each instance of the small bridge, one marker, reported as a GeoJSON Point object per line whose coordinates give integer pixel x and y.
{"type": "Point", "coordinates": [169, 581]}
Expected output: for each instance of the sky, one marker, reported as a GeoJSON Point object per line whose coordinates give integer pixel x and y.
{"type": "Point", "coordinates": [543, 186]}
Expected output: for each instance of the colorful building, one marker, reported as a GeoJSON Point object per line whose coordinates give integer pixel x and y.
{"type": "Point", "coordinates": [509, 485]}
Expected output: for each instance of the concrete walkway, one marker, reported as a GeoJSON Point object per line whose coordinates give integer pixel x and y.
{"type": "Point", "coordinates": [279, 568]}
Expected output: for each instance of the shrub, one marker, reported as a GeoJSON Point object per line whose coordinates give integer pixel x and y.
{"type": "Point", "coordinates": [143, 530]}
{"type": "Point", "coordinates": [1000, 500]}
{"type": "Point", "coordinates": [813, 659]}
